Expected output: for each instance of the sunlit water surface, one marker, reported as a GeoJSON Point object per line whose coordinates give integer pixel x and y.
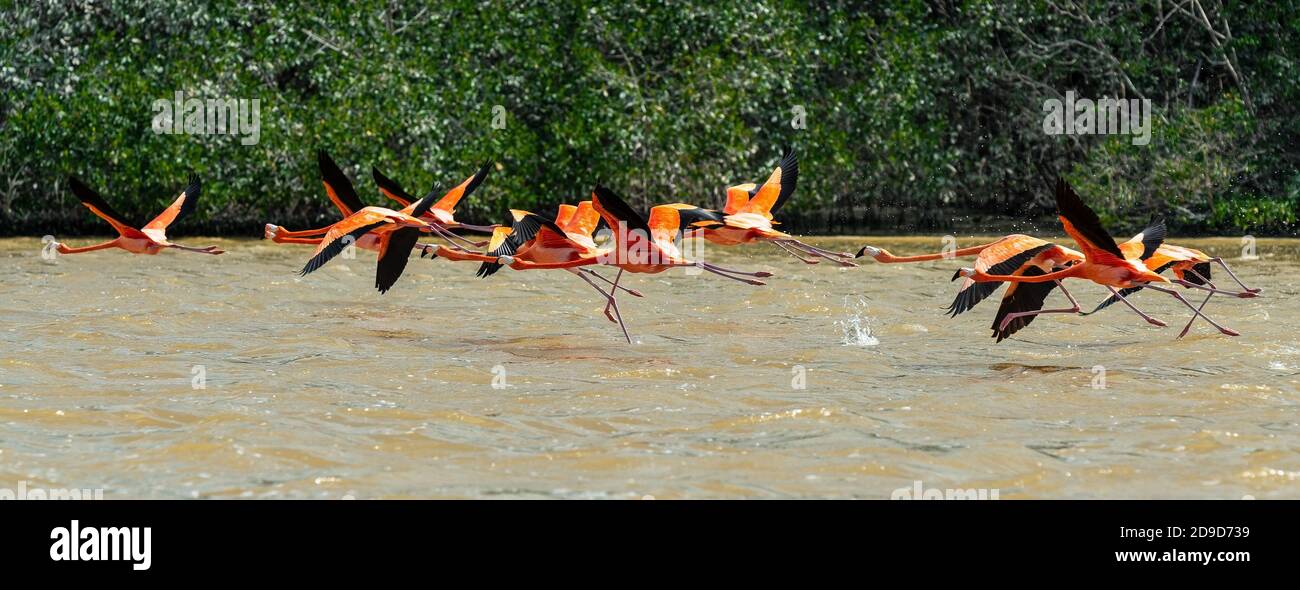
{"type": "Point", "coordinates": [843, 383]}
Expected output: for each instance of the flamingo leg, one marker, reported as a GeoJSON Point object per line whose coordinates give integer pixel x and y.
{"type": "Point", "coordinates": [610, 301]}
{"type": "Point", "coordinates": [462, 240]}
{"type": "Point", "coordinates": [1233, 275]}
{"type": "Point", "coordinates": [632, 292]}
{"type": "Point", "coordinates": [836, 257]}
{"type": "Point", "coordinates": [1230, 273]}
{"type": "Point", "coordinates": [707, 266]}
{"type": "Point", "coordinates": [446, 236]}
{"type": "Point", "coordinates": [1124, 300]}
{"type": "Point", "coordinates": [1193, 320]}
{"type": "Point", "coordinates": [721, 273]}
{"type": "Point", "coordinates": [793, 252]}
{"type": "Point", "coordinates": [1179, 296]}
{"type": "Point", "coordinates": [205, 250]}
{"type": "Point", "coordinates": [482, 229]}
{"type": "Point", "coordinates": [1202, 306]}
{"type": "Point", "coordinates": [814, 249]}
{"type": "Point", "coordinates": [1006, 321]}
{"type": "Point", "coordinates": [1243, 294]}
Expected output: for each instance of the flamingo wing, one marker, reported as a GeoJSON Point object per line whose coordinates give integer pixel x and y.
{"type": "Point", "coordinates": [613, 209]}
{"type": "Point", "coordinates": [584, 221]}
{"type": "Point", "coordinates": [101, 208]}
{"type": "Point", "coordinates": [1021, 297]}
{"type": "Point", "coordinates": [464, 189]}
{"type": "Point", "coordinates": [394, 250]}
{"type": "Point", "coordinates": [1003, 257]}
{"type": "Point", "coordinates": [1084, 226]}
{"type": "Point", "coordinates": [738, 196]}
{"type": "Point", "coordinates": [564, 215]}
{"type": "Point", "coordinates": [1146, 243]}
{"type": "Point", "coordinates": [777, 190]}
{"type": "Point", "coordinates": [337, 186]}
{"type": "Point", "coordinates": [419, 208]}
{"type": "Point", "coordinates": [343, 234]}
{"type": "Point", "coordinates": [523, 228]}
{"type": "Point", "coordinates": [390, 188]}
{"type": "Point", "coordinates": [182, 206]}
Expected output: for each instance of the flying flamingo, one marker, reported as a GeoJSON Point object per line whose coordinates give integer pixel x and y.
{"type": "Point", "coordinates": [441, 215]}
{"type": "Point", "coordinates": [639, 246]}
{"type": "Point", "coordinates": [339, 189]}
{"type": "Point", "coordinates": [747, 216]}
{"type": "Point", "coordinates": [1104, 263]}
{"type": "Point", "coordinates": [531, 242]}
{"type": "Point", "coordinates": [1188, 264]}
{"type": "Point", "coordinates": [151, 238]}
{"type": "Point", "coordinates": [1007, 252]}
{"type": "Point", "coordinates": [397, 232]}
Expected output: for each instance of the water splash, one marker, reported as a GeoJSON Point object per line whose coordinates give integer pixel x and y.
{"type": "Point", "coordinates": [856, 326]}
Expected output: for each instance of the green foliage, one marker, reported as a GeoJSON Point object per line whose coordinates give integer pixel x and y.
{"type": "Point", "coordinates": [920, 116]}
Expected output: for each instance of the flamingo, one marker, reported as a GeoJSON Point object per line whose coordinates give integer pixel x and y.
{"type": "Point", "coordinates": [639, 246]}
{"type": "Point", "coordinates": [396, 231]}
{"type": "Point", "coordinates": [341, 191]}
{"type": "Point", "coordinates": [1188, 264]}
{"type": "Point", "coordinates": [528, 242]}
{"type": "Point", "coordinates": [441, 215]}
{"type": "Point", "coordinates": [151, 238]}
{"type": "Point", "coordinates": [747, 216]}
{"type": "Point", "coordinates": [1104, 263]}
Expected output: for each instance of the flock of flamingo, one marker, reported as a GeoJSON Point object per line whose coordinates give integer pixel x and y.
{"type": "Point", "coordinates": [639, 243]}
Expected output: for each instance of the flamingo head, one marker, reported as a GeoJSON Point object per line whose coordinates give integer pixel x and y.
{"type": "Point", "coordinates": [964, 272]}
{"type": "Point", "coordinates": [871, 251]}
{"type": "Point", "coordinates": [506, 260]}
{"type": "Point", "coordinates": [268, 233]}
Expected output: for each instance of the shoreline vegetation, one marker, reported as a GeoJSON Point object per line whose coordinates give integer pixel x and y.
{"type": "Point", "coordinates": [927, 118]}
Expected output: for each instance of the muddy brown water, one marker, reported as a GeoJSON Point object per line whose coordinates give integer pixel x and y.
{"type": "Point", "coordinates": [842, 383]}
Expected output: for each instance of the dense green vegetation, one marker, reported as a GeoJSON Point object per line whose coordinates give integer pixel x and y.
{"type": "Point", "coordinates": [920, 116]}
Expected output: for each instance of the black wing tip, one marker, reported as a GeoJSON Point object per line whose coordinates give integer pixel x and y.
{"type": "Point", "coordinates": [78, 187]}
{"type": "Point", "coordinates": [478, 178]}
{"type": "Point", "coordinates": [425, 203]}
{"type": "Point", "coordinates": [194, 187]}
{"type": "Point", "coordinates": [386, 183]}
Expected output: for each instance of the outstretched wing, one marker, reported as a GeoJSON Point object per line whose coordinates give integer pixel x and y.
{"type": "Point", "coordinates": [524, 226]}
{"type": "Point", "coordinates": [1083, 224]}
{"type": "Point", "coordinates": [1146, 243]}
{"type": "Point", "coordinates": [614, 210]}
{"type": "Point", "coordinates": [100, 207]}
{"type": "Point", "coordinates": [341, 235]}
{"type": "Point", "coordinates": [394, 250]}
{"type": "Point", "coordinates": [1021, 297]}
{"type": "Point", "coordinates": [738, 196]}
{"type": "Point", "coordinates": [182, 206]}
{"type": "Point", "coordinates": [464, 189]}
{"type": "Point", "coordinates": [390, 188]}
{"type": "Point", "coordinates": [777, 190]}
{"type": "Point", "coordinates": [419, 208]}
{"type": "Point", "coordinates": [1003, 257]}
{"type": "Point", "coordinates": [337, 186]}
{"type": "Point", "coordinates": [584, 221]}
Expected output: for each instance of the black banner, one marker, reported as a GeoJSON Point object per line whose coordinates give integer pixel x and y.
{"type": "Point", "coordinates": [318, 539]}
